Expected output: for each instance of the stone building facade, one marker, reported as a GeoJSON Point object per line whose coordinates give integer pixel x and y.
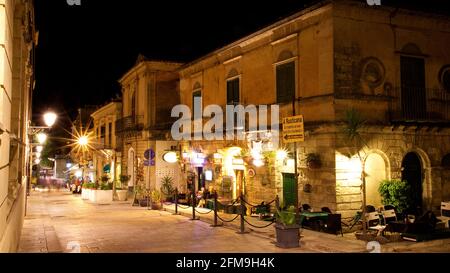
{"type": "Point", "coordinates": [149, 91]}
{"type": "Point", "coordinates": [18, 40]}
{"type": "Point", "coordinates": [389, 65]}
{"type": "Point", "coordinates": [106, 144]}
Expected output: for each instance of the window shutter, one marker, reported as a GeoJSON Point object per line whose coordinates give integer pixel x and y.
{"type": "Point", "coordinates": [233, 91]}
{"type": "Point", "coordinates": [285, 77]}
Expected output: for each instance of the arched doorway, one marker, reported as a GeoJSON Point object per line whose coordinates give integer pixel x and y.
{"type": "Point", "coordinates": [446, 178]}
{"type": "Point", "coordinates": [412, 173]}
{"type": "Point", "coordinates": [131, 167]}
{"type": "Point", "coordinates": [375, 169]}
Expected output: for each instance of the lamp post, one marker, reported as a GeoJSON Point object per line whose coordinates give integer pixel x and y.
{"type": "Point", "coordinates": [83, 142]}
{"type": "Point", "coordinates": [38, 131]}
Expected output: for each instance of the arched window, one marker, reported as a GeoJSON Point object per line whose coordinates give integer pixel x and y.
{"type": "Point", "coordinates": [285, 55]}
{"type": "Point", "coordinates": [446, 162]}
{"type": "Point", "coordinates": [233, 87]}
{"type": "Point", "coordinates": [285, 78]}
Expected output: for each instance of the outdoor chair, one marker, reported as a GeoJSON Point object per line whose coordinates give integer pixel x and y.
{"type": "Point", "coordinates": [333, 224]}
{"type": "Point", "coordinates": [445, 213]}
{"type": "Point", "coordinates": [370, 209]}
{"type": "Point", "coordinates": [306, 207]}
{"type": "Point", "coordinates": [373, 222]}
{"type": "Point", "coordinates": [326, 209]}
{"type": "Point", "coordinates": [389, 216]}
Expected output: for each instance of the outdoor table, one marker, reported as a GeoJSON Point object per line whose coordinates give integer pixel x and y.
{"type": "Point", "coordinates": [316, 216]}
{"type": "Point", "coordinates": [397, 226]}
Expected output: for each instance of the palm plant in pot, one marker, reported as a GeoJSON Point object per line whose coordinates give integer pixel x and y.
{"type": "Point", "coordinates": [167, 188]}
{"type": "Point", "coordinates": [287, 230]}
{"type": "Point", "coordinates": [156, 200]}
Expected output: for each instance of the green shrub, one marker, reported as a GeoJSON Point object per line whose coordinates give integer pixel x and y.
{"type": "Point", "coordinates": [167, 186]}
{"type": "Point", "coordinates": [286, 217]}
{"type": "Point", "coordinates": [106, 186]}
{"type": "Point", "coordinates": [396, 193]}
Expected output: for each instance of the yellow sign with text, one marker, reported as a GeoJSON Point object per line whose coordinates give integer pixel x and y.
{"type": "Point", "coordinates": [293, 129]}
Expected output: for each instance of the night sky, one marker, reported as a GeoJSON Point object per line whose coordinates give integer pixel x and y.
{"type": "Point", "coordinates": [83, 50]}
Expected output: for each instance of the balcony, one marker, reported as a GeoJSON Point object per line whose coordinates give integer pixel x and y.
{"type": "Point", "coordinates": [419, 105]}
{"type": "Point", "coordinates": [100, 144]}
{"type": "Point", "coordinates": [129, 125]}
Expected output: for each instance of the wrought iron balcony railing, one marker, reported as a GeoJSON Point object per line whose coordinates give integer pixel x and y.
{"type": "Point", "coordinates": [419, 104]}
{"type": "Point", "coordinates": [129, 124]}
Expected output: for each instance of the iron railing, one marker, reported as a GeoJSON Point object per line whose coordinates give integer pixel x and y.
{"type": "Point", "coordinates": [419, 104]}
{"type": "Point", "coordinates": [129, 124]}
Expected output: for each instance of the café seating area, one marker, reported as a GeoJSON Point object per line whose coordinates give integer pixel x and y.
{"type": "Point", "coordinates": [384, 221]}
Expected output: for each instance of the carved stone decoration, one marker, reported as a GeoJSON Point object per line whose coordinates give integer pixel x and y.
{"type": "Point", "coordinates": [373, 73]}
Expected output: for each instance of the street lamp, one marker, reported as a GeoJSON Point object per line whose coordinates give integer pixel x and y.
{"type": "Point", "coordinates": [50, 119]}
{"type": "Point", "coordinates": [38, 131]}
{"type": "Point", "coordinates": [83, 141]}
{"type": "Point", "coordinates": [42, 138]}
{"type": "Point", "coordinates": [39, 149]}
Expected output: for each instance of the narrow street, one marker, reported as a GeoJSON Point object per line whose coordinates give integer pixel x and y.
{"type": "Point", "coordinates": [59, 221]}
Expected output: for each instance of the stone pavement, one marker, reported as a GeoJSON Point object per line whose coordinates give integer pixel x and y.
{"type": "Point", "coordinates": [61, 222]}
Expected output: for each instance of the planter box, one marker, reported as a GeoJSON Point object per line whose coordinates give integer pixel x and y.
{"type": "Point", "coordinates": [85, 194]}
{"type": "Point", "coordinates": [156, 206]}
{"type": "Point", "coordinates": [104, 197]}
{"type": "Point", "coordinates": [121, 195]}
{"type": "Point", "coordinates": [287, 237]}
{"type": "Point", "coordinates": [93, 195]}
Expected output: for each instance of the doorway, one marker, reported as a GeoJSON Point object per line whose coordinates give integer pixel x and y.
{"type": "Point", "coordinates": [375, 169]}
{"type": "Point", "coordinates": [130, 169]}
{"type": "Point", "coordinates": [290, 190]}
{"type": "Point", "coordinates": [412, 173]}
{"type": "Point", "coordinates": [201, 178]}
{"type": "Point", "coordinates": [239, 186]}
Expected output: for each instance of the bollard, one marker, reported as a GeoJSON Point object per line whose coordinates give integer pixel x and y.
{"type": "Point", "coordinates": [193, 207]}
{"type": "Point", "coordinates": [176, 201]}
{"type": "Point", "coordinates": [215, 211]}
{"type": "Point", "coordinates": [242, 227]}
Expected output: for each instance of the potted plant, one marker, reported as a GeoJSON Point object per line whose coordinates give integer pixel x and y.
{"type": "Point", "coordinates": [93, 192]}
{"type": "Point", "coordinates": [287, 230]}
{"type": "Point", "coordinates": [396, 193]}
{"type": "Point", "coordinates": [85, 191]}
{"type": "Point", "coordinates": [313, 161]}
{"type": "Point", "coordinates": [121, 191]}
{"type": "Point", "coordinates": [167, 188]}
{"type": "Point", "coordinates": [121, 194]}
{"type": "Point", "coordinates": [156, 200]}
{"type": "Point", "coordinates": [104, 194]}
